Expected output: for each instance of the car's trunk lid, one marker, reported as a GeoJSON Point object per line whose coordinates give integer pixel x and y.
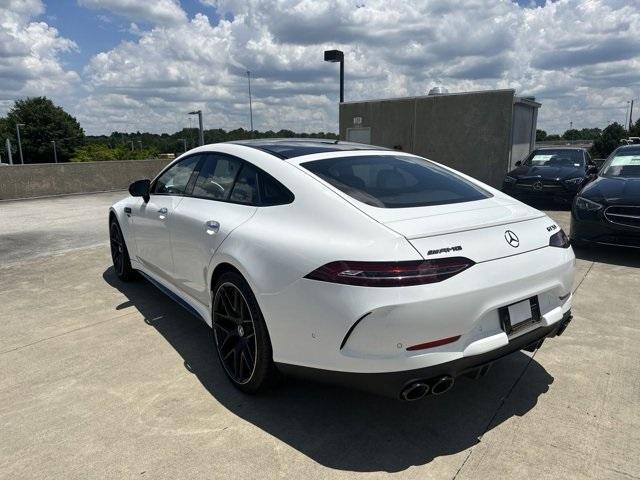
{"type": "Point", "coordinates": [476, 230]}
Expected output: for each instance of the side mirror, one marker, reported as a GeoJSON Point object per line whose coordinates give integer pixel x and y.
{"type": "Point", "coordinates": [592, 170]}
{"type": "Point", "coordinates": [140, 188]}
{"type": "Point", "coordinates": [518, 163]}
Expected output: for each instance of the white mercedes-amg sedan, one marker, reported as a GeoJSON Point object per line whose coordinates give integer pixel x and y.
{"type": "Point", "coordinates": [347, 263]}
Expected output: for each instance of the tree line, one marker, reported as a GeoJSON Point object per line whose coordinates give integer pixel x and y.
{"type": "Point", "coordinates": [604, 141]}
{"type": "Point", "coordinates": [42, 123]}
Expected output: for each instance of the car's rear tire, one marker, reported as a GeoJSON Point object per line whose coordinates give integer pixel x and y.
{"type": "Point", "coordinates": [240, 335]}
{"type": "Point", "coordinates": [119, 253]}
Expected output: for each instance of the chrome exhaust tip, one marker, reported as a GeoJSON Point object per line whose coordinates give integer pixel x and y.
{"type": "Point", "coordinates": [442, 385]}
{"type": "Point", "coordinates": [414, 391]}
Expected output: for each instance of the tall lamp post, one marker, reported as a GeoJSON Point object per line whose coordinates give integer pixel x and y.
{"type": "Point", "coordinates": [18, 125]}
{"type": "Point", "coordinates": [250, 107]}
{"type": "Point", "coordinates": [334, 56]}
{"type": "Point", "coordinates": [55, 153]}
{"type": "Point", "coordinates": [199, 113]}
{"type": "Point", "coordinates": [184, 143]}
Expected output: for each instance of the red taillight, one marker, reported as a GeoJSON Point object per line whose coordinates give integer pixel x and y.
{"type": "Point", "coordinates": [390, 274]}
{"type": "Point", "coordinates": [435, 343]}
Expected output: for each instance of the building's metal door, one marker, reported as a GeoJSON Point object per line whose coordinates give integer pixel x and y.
{"type": "Point", "coordinates": [359, 135]}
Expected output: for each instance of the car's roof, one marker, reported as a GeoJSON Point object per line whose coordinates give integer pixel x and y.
{"type": "Point", "coordinates": [633, 146]}
{"type": "Point", "coordinates": [286, 148]}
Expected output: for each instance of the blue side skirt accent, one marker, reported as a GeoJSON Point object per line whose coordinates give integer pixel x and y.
{"type": "Point", "coordinates": [176, 298]}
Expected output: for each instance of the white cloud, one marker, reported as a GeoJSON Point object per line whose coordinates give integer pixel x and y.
{"type": "Point", "coordinates": [153, 11]}
{"type": "Point", "coordinates": [580, 59]}
{"type": "Point", "coordinates": [29, 54]}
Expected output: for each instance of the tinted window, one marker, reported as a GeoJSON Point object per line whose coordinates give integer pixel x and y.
{"type": "Point", "coordinates": [216, 177]}
{"type": "Point", "coordinates": [395, 182]}
{"type": "Point", "coordinates": [174, 181]}
{"type": "Point", "coordinates": [256, 187]}
{"type": "Point", "coordinates": [624, 162]}
{"type": "Point", "coordinates": [246, 188]}
{"type": "Point", "coordinates": [555, 158]}
{"type": "Point", "coordinates": [272, 192]}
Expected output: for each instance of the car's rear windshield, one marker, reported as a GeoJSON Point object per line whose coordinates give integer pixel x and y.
{"type": "Point", "coordinates": [390, 181]}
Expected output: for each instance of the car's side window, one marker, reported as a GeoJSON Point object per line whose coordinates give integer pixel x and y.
{"type": "Point", "coordinates": [589, 161]}
{"type": "Point", "coordinates": [174, 181]}
{"type": "Point", "coordinates": [272, 192]}
{"type": "Point", "coordinates": [216, 177]}
{"type": "Point", "coordinates": [246, 188]}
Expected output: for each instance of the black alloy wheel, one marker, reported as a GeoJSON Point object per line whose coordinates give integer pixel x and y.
{"type": "Point", "coordinates": [119, 253]}
{"type": "Point", "coordinates": [240, 335]}
{"type": "Point", "coordinates": [234, 332]}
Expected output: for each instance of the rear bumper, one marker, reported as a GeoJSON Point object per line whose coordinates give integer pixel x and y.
{"type": "Point", "coordinates": [391, 384]}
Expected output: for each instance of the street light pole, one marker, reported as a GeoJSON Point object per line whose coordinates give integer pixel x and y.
{"type": "Point", "coordinates": [55, 154]}
{"type": "Point", "coordinates": [250, 106]}
{"type": "Point", "coordinates": [626, 114]}
{"type": "Point", "coordinates": [335, 56]}
{"type": "Point", "coordinates": [199, 113]}
{"type": "Point", "coordinates": [184, 143]}
{"type": "Point", "coordinates": [9, 152]}
{"type": "Point", "coordinates": [18, 125]}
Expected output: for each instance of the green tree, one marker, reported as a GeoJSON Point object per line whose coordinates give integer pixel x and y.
{"type": "Point", "coordinates": [43, 122]}
{"type": "Point", "coordinates": [608, 141]}
{"type": "Point", "coordinates": [635, 130]}
{"type": "Point", "coordinates": [541, 135]}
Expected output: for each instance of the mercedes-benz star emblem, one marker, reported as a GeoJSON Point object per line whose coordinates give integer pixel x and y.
{"type": "Point", "coordinates": [511, 238]}
{"type": "Point", "coordinates": [537, 186]}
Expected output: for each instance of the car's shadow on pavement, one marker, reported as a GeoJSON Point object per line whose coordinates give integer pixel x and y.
{"type": "Point", "coordinates": [341, 428]}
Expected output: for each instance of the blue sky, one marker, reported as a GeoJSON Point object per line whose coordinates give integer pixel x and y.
{"type": "Point", "coordinates": [131, 65]}
{"type": "Point", "coordinates": [95, 31]}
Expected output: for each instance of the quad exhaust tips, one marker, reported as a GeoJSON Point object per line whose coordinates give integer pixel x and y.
{"type": "Point", "coordinates": [417, 390]}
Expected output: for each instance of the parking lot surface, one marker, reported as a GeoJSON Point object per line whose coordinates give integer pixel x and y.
{"type": "Point", "coordinates": [101, 379]}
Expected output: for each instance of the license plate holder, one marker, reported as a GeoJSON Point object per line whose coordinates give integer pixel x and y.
{"type": "Point", "coordinates": [519, 315]}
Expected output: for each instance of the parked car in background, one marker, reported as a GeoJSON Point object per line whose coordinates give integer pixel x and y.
{"type": "Point", "coordinates": [345, 262]}
{"type": "Point", "coordinates": [607, 210]}
{"type": "Point", "coordinates": [550, 173]}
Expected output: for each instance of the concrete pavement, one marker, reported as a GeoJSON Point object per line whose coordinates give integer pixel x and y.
{"type": "Point", "coordinates": [102, 379]}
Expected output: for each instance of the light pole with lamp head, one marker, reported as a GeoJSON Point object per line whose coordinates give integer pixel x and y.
{"type": "Point", "coordinates": [335, 56]}
{"type": "Point", "coordinates": [199, 113]}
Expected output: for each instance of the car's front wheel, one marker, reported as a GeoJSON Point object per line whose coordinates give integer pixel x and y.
{"type": "Point", "coordinates": [240, 335]}
{"type": "Point", "coordinates": [119, 252]}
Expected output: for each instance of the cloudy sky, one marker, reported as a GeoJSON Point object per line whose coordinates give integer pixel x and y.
{"type": "Point", "coordinates": [133, 65]}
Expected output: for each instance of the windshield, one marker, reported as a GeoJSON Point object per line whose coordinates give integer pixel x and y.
{"type": "Point", "coordinates": [390, 181]}
{"type": "Point", "coordinates": [555, 158]}
{"type": "Point", "coordinates": [623, 163]}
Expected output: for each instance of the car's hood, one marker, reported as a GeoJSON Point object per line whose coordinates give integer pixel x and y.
{"type": "Point", "coordinates": [612, 190]}
{"type": "Point", "coordinates": [546, 173]}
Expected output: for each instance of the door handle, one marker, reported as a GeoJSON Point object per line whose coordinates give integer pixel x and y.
{"type": "Point", "coordinates": [212, 227]}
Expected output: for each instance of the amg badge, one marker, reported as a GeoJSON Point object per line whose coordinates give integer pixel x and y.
{"type": "Point", "coordinates": [457, 248]}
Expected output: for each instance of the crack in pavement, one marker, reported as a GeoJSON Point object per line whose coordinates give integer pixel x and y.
{"type": "Point", "coordinates": [504, 399]}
